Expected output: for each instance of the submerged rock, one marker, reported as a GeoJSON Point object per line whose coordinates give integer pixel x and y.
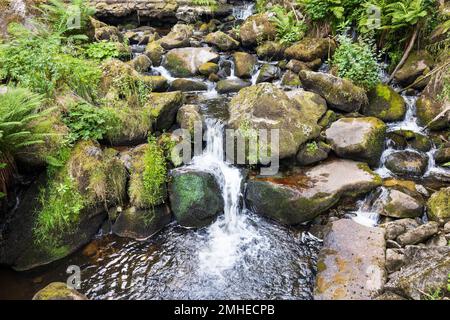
{"type": "Point", "coordinates": [340, 93]}
{"type": "Point", "coordinates": [244, 64]}
{"type": "Point", "coordinates": [407, 163]}
{"type": "Point", "coordinates": [351, 263]}
{"type": "Point", "coordinates": [58, 291]}
{"type": "Point", "coordinates": [231, 85]}
{"type": "Point", "coordinates": [357, 138]}
{"type": "Point", "coordinates": [309, 49]}
{"type": "Point", "coordinates": [439, 206]}
{"type": "Point", "coordinates": [302, 195]}
{"type": "Point", "coordinates": [256, 28]}
{"type": "Point", "coordinates": [195, 197]}
{"type": "Point", "coordinates": [385, 104]}
{"type": "Point", "coordinates": [185, 62]}
{"type": "Point", "coordinates": [222, 41]}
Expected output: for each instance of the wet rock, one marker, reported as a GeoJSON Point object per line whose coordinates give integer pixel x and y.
{"type": "Point", "coordinates": [418, 63]}
{"type": "Point", "coordinates": [231, 85]}
{"type": "Point", "coordinates": [157, 83]}
{"type": "Point", "coordinates": [351, 263]}
{"type": "Point", "coordinates": [187, 85]}
{"type": "Point", "coordinates": [302, 195]}
{"type": "Point", "coordinates": [264, 106]}
{"type": "Point", "coordinates": [309, 49]}
{"type": "Point", "coordinates": [442, 155]}
{"type": "Point", "coordinates": [339, 93]}
{"type": "Point", "coordinates": [140, 224]}
{"type": "Point", "coordinates": [155, 52]}
{"type": "Point", "coordinates": [188, 115]}
{"type": "Point", "coordinates": [290, 79]}
{"type": "Point", "coordinates": [407, 163]}
{"type": "Point", "coordinates": [208, 68]}
{"type": "Point", "coordinates": [267, 73]}
{"type": "Point", "coordinates": [425, 270]}
{"type": "Point", "coordinates": [394, 259]}
{"type": "Point", "coordinates": [178, 37]}
{"type": "Point", "coordinates": [398, 204]}
{"type": "Point", "coordinates": [296, 66]}
{"type": "Point", "coordinates": [141, 63]}
{"type": "Point", "coordinates": [164, 108]}
{"type": "Point", "coordinates": [222, 41]}
{"type": "Point", "coordinates": [108, 33]}
{"type": "Point", "coordinates": [419, 234]}
{"type": "Point", "coordinates": [312, 153]}
{"type": "Point", "coordinates": [195, 197]}
{"type": "Point", "coordinates": [398, 227]}
{"type": "Point", "coordinates": [357, 138]}
{"type": "Point", "coordinates": [270, 50]}
{"type": "Point", "coordinates": [439, 206]}
{"type": "Point", "coordinates": [409, 139]}
{"type": "Point", "coordinates": [257, 28]}
{"type": "Point", "coordinates": [58, 291]}
{"type": "Point", "coordinates": [310, 103]}
{"type": "Point", "coordinates": [385, 104]}
{"type": "Point", "coordinates": [244, 64]}
{"type": "Point", "coordinates": [185, 62]}
{"type": "Point", "coordinates": [389, 296]}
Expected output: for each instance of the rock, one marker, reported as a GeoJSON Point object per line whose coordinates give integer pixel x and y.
{"type": "Point", "coordinates": [426, 270]}
{"type": "Point", "coordinates": [157, 83]}
{"type": "Point", "coordinates": [447, 227]}
{"type": "Point", "coordinates": [438, 240]}
{"type": "Point", "coordinates": [442, 155]}
{"type": "Point", "coordinates": [394, 260]}
{"type": "Point", "coordinates": [357, 138]}
{"type": "Point", "coordinates": [270, 50]}
{"type": "Point", "coordinates": [140, 224]}
{"type": "Point", "coordinates": [208, 68]}
{"type": "Point", "coordinates": [419, 234]}
{"type": "Point", "coordinates": [407, 163]}
{"type": "Point", "coordinates": [185, 62]}
{"type": "Point", "coordinates": [155, 52]}
{"type": "Point", "coordinates": [164, 107]}
{"type": "Point", "coordinates": [312, 104]}
{"type": "Point", "coordinates": [296, 66]}
{"type": "Point", "coordinates": [178, 37]}
{"type": "Point", "coordinates": [439, 206]}
{"type": "Point", "coordinates": [222, 41]}
{"type": "Point", "coordinates": [290, 79]}
{"type": "Point", "coordinates": [312, 153]}
{"type": "Point", "coordinates": [305, 193]}
{"type": "Point", "coordinates": [108, 33]}
{"type": "Point", "coordinates": [195, 197]}
{"type": "Point", "coordinates": [231, 85]}
{"type": "Point", "coordinates": [398, 204]}
{"type": "Point", "coordinates": [187, 85]}
{"type": "Point", "coordinates": [244, 64]}
{"type": "Point", "coordinates": [267, 73]}
{"type": "Point", "coordinates": [385, 104]}
{"type": "Point", "coordinates": [389, 296]}
{"type": "Point", "coordinates": [309, 49]}
{"type": "Point", "coordinates": [418, 63]}
{"type": "Point", "coordinates": [351, 264]}
{"type": "Point", "coordinates": [339, 93]}
{"type": "Point", "coordinates": [264, 106]}
{"type": "Point", "coordinates": [257, 28]}
{"type": "Point", "coordinates": [410, 139]}
{"type": "Point", "coordinates": [141, 63]}
{"type": "Point", "coordinates": [58, 291]}
{"type": "Point", "coordinates": [187, 116]}
{"type": "Point", "coordinates": [398, 227]}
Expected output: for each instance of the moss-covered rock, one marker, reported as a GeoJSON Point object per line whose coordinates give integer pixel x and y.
{"type": "Point", "coordinates": [231, 85]}
{"type": "Point", "coordinates": [185, 62]}
{"type": "Point", "coordinates": [178, 37]}
{"type": "Point", "coordinates": [310, 103]}
{"type": "Point", "coordinates": [439, 206]}
{"type": "Point", "coordinates": [141, 63]}
{"type": "Point", "coordinates": [309, 49]}
{"type": "Point", "coordinates": [442, 155]}
{"type": "Point", "coordinates": [339, 93]}
{"type": "Point", "coordinates": [267, 73]}
{"type": "Point", "coordinates": [270, 50]}
{"type": "Point", "coordinates": [256, 29]}
{"type": "Point", "coordinates": [296, 66]}
{"type": "Point", "coordinates": [409, 139]}
{"type": "Point", "coordinates": [407, 163]}
{"type": "Point", "coordinates": [207, 68]}
{"type": "Point", "coordinates": [244, 64]}
{"type": "Point", "coordinates": [109, 33]}
{"type": "Point", "coordinates": [195, 197]}
{"type": "Point", "coordinates": [402, 203]}
{"type": "Point", "coordinates": [357, 138]}
{"type": "Point", "coordinates": [418, 63]}
{"type": "Point", "coordinates": [156, 83]}
{"type": "Point", "coordinates": [385, 104]}
{"type": "Point", "coordinates": [290, 79]}
{"type": "Point", "coordinates": [155, 52]}
{"type": "Point", "coordinates": [187, 116]}
{"type": "Point", "coordinates": [186, 85]}
{"type": "Point", "coordinates": [222, 41]}
{"type": "Point", "coordinates": [163, 108]}
{"type": "Point", "coordinates": [58, 291]}
{"type": "Point", "coordinates": [301, 195]}
{"type": "Point", "coordinates": [313, 152]}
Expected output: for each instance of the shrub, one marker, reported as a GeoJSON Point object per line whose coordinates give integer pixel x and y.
{"type": "Point", "coordinates": [356, 62]}
{"type": "Point", "coordinates": [102, 50]}
{"type": "Point", "coordinates": [289, 28]}
{"type": "Point", "coordinates": [155, 173]}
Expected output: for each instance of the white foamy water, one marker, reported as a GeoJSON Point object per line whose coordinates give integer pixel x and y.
{"type": "Point", "coordinates": [243, 11]}
{"type": "Point", "coordinates": [164, 72]}
{"type": "Point", "coordinates": [369, 209]}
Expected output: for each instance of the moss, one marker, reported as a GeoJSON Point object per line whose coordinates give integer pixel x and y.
{"type": "Point", "coordinates": [176, 66]}
{"type": "Point", "coordinates": [155, 52]}
{"type": "Point", "coordinates": [439, 205]}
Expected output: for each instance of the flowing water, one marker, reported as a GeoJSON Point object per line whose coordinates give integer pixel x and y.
{"type": "Point", "coordinates": [243, 11]}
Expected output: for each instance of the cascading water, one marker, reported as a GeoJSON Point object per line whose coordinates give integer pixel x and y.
{"type": "Point", "coordinates": [242, 12]}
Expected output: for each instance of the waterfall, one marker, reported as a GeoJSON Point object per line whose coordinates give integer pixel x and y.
{"type": "Point", "coordinates": [244, 11]}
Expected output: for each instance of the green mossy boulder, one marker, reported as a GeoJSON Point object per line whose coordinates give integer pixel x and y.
{"type": "Point", "coordinates": [185, 62]}
{"type": "Point", "coordinates": [313, 152]}
{"type": "Point", "coordinates": [222, 41]}
{"type": "Point", "coordinates": [385, 104]}
{"type": "Point", "coordinates": [186, 85]}
{"type": "Point", "coordinates": [163, 108]}
{"type": "Point", "coordinates": [418, 63]}
{"type": "Point", "coordinates": [207, 68]}
{"type": "Point", "coordinates": [309, 49]}
{"type": "Point", "coordinates": [407, 163]}
{"type": "Point", "coordinates": [141, 63]}
{"type": "Point", "coordinates": [439, 206]}
{"type": "Point", "coordinates": [188, 115]}
{"type": "Point", "coordinates": [270, 50]}
{"type": "Point", "coordinates": [402, 203]}
{"type": "Point", "coordinates": [155, 52]}
{"type": "Point", "coordinates": [231, 85]}
{"type": "Point", "coordinates": [58, 291]}
{"type": "Point", "coordinates": [268, 73]}
{"type": "Point", "coordinates": [256, 29]}
{"type": "Point", "coordinates": [409, 139]}
{"type": "Point", "coordinates": [290, 79]}
{"type": "Point", "coordinates": [442, 155]}
{"type": "Point", "coordinates": [244, 64]}
{"type": "Point", "coordinates": [157, 83]}
{"type": "Point", "coordinates": [178, 37]}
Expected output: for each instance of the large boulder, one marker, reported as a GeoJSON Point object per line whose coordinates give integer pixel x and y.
{"type": "Point", "coordinates": [178, 37]}
{"type": "Point", "coordinates": [407, 163]}
{"type": "Point", "coordinates": [186, 85]}
{"type": "Point", "coordinates": [267, 73]}
{"type": "Point", "coordinates": [309, 49]}
{"type": "Point", "coordinates": [385, 103]}
{"type": "Point", "coordinates": [187, 116]}
{"type": "Point", "coordinates": [351, 264]}
{"type": "Point", "coordinates": [418, 63]}
{"type": "Point", "coordinates": [264, 106]}
{"type": "Point", "coordinates": [340, 93]}
{"type": "Point", "coordinates": [439, 206]}
{"type": "Point", "coordinates": [195, 197]}
{"type": "Point", "coordinates": [257, 28]}
{"type": "Point", "coordinates": [402, 204]}
{"type": "Point", "coordinates": [58, 291]}
{"type": "Point", "coordinates": [244, 64]}
{"type": "Point", "coordinates": [155, 52]}
{"type": "Point", "coordinates": [303, 194]}
{"type": "Point", "coordinates": [270, 50]}
{"type": "Point", "coordinates": [222, 41]}
{"type": "Point", "coordinates": [357, 138]}
{"type": "Point", "coordinates": [311, 103]}
{"type": "Point", "coordinates": [163, 108]}
{"type": "Point", "coordinates": [185, 62]}
{"type": "Point", "coordinates": [231, 85]}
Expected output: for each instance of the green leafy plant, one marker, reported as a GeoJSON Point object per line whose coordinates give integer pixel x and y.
{"type": "Point", "coordinates": [311, 147]}
{"type": "Point", "coordinates": [102, 50]}
{"type": "Point", "coordinates": [356, 62]}
{"type": "Point", "coordinates": [207, 3]}
{"type": "Point", "coordinates": [155, 172]}
{"type": "Point", "coordinates": [321, 9]}
{"type": "Point", "coordinates": [87, 122]}
{"type": "Point", "coordinates": [404, 13]}
{"type": "Point", "coordinates": [289, 28]}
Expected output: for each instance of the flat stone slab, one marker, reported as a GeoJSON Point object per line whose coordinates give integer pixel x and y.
{"type": "Point", "coordinates": [351, 263]}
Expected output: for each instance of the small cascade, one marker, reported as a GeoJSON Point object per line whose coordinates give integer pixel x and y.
{"type": "Point", "coordinates": [163, 72]}
{"type": "Point", "coordinates": [242, 12]}
{"type": "Point", "coordinates": [369, 209]}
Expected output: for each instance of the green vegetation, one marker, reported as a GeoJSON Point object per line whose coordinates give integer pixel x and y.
{"type": "Point", "coordinates": [155, 173]}
{"type": "Point", "coordinates": [357, 62]}
{"type": "Point", "coordinates": [289, 27]}
{"type": "Point", "coordinates": [102, 50]}
{"type": "Point", "coordinates": [312, 147]}
{"type": "Point", "coordinates": [207, 3]}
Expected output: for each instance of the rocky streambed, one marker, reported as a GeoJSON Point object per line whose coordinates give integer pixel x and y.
{"type": "Point", "coordinates": [359, 209]}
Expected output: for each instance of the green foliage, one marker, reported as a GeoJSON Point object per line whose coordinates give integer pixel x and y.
{"type": "Point", "coordinates": [323, 9]}
{"type": "Point", "coordinates": [404, 13]}
{"type": "Point", "coordinates": [134, 90]}
{"type": "Point", "coordinates": [102, 50]}
{"type": "Point", "coordinates": [289, 28]}
{"type": "Point", "coordinates": [356, 62]}
{"type": "Point", "coordinates": [19, 108]}
{"type": "Point", "coordinates": [261, 6]}
{"type": "Point", "coordinates": [207, 3]}
{"type": "Point", "coordinates": [311, 147]}
{"type": "Point", "coordinates": [445, 93]}
{"type": "Point", "coordinates": [155, 173]}
{"type": "Point", "coordinates": [87, 122]}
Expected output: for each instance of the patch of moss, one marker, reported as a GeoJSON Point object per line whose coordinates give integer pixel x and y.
{"type": "Point", "coordinates": [176, 66]}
